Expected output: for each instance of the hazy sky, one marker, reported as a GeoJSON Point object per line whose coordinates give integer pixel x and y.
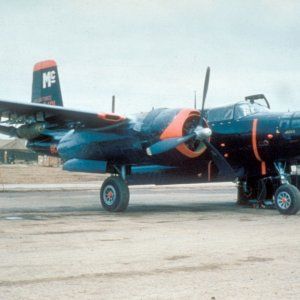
{"type": "Point", "coordinates": [153, 53]}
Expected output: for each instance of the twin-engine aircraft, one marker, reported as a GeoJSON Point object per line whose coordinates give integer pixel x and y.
{"type": "Point", "coordinates": [244, 142]}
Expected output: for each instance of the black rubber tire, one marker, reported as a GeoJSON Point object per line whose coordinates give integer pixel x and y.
{"type": "Point", "coordinates": [121, 201]}
{"type": "Point", "coordinates": [294, 195]}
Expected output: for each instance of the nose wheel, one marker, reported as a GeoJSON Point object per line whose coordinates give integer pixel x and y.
{"type": "Point", "coordinates": [287, 199]}
{"type": "Point", "coordinates": [114, 194]}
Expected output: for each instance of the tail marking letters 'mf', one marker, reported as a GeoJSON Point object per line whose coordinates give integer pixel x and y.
{"type": "Point", "coordinates": [48, 79]}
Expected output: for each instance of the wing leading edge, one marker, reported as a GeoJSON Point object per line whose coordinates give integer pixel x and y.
{"type": "Point", "coordinates": [13, 112]}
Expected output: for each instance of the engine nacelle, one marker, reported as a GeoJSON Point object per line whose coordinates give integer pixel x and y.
{"type": "Point", "coordinates": [174, 123]}
{"type": "Point", "coordinates": [29, 132]}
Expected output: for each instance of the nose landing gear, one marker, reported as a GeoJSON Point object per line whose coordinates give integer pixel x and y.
{"type": "Point", "coordinates": [287, 199]}
{"type": "Point", "coordinates": [278, 190]}
{"type": "Point", "coordinates": [287, 196]}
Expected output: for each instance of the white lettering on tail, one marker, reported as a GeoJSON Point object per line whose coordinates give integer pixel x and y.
{"type": "Point", "coordinates": [48, 79]}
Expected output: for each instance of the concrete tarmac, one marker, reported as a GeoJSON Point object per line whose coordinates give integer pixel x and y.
{"type": "Point", "coordinates": [172, 243]}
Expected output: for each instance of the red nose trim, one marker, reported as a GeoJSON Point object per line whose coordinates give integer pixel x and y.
{"type": "Point", "coordinates": [44, 65]}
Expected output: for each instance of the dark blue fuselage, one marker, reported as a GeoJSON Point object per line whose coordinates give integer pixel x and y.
{"type": "Point", "coordinates": [245, 142]}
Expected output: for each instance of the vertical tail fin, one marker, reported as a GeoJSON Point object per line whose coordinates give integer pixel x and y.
{"type": "Point", "coordinates": [45, 84]}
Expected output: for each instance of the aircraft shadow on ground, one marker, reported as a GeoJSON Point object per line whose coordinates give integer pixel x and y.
{"type": "Point", "coordinates": [133, 209]}
{"type": "Point", "coordinates": [202, 207]}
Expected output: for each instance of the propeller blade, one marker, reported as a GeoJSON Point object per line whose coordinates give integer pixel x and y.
{"type": "Point", "coordinates": [205, 89]}
{"type": "Point", "coordinates": [199, 133]}
{"type": "Point", "coordinates": [168, 144]}
{"type": "Point", "coordinates": [224, 167]}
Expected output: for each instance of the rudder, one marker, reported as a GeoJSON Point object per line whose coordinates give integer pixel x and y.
{"type": "Point", "coordinates": [45, 84]}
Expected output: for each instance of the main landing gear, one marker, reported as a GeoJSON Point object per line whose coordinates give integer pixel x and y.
{"type": "Point", "coordinates": [114, 194]}
{"type": "Point", "coordinates": [277, 190]}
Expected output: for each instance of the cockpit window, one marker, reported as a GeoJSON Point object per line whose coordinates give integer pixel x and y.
{"type": "Point", "coordinates": [242, 110]}
{"type": "Point", "coordinates": [236, 111]}
{"type": "Point", "coordinates": [220, 114]}
{"type": "Point", "coordinates": [246, 109]}
{"type": "Point", "coordinates": [256, 107]}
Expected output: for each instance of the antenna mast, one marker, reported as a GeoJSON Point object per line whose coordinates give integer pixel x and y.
{"type": "Point", "coordinates": [113, 104]}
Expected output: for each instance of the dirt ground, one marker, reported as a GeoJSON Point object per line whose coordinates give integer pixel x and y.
{"type": "Point", "coordinates": [21, 173]}
{"type": "Point", "coordinates": [187, 243]}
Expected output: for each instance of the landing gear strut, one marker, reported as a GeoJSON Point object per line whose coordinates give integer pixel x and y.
{"type": "Point", "coordinates": [257, 190]}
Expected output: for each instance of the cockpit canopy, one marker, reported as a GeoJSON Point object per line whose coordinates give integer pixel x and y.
{"type": "Point", "coordinates": [235, 111]}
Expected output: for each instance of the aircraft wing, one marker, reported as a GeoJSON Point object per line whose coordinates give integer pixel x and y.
{"type": "Point", "coordinates": [12, 112]}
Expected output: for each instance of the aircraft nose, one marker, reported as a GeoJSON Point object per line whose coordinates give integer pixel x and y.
{"type": "Point", "coordinates": [295, 133]}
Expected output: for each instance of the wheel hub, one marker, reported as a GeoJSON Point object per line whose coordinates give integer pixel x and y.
{"type": "Point", "coordinates": [284, 200]}
{"type": "Point", "coordinates": [109, 195]}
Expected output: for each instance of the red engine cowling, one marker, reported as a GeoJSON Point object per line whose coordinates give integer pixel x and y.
{"type": "Point", "coordinates": [184, 123]}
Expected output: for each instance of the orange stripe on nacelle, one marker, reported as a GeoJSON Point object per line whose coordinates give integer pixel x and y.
{"type": "Point", "coordinates": [44, 65]}
{"type": "Point", "coordinates": [110, 117]}
{"type": "Point", "coordinates": [175, 129]}
{"type": "Point", "coordinates": [176, 126]}
{"type": "Point", "coordinates": [183, 149]}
